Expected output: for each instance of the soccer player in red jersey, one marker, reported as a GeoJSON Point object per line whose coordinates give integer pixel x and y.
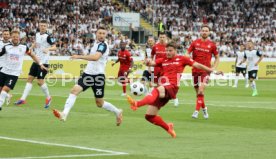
{"type": "Point", "coordinates": [202, 50]}
{"type": "Point", "coordinates": [168, 88]}
{"type": "Point", "coordinates": [159, 52]}
{"type": "Point", "coordinates": [126, 63]}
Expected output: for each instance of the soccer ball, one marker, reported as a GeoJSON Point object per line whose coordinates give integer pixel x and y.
{"type": "Point", "coordinates": [137, 88]}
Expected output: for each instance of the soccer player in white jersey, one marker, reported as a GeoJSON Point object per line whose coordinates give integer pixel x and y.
{"type": "Point", "coordinates": [253, 57]}
{"type": "Point", "coordinates": [14, 55]}
{"type": "Point", "coordinates": [148, 73]}
{"type": "Point", "coordinates": [43, 44]}
{"type": "Point", "coordinates": [93, 77]}
{"type": "Point", "coordinates": [240, 68]}
{"type": "Point", "coordinates": [5, 41]}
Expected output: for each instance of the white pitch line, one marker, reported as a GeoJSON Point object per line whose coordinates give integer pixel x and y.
{"type": "Point", "coordinates": [63, 156]}
{"type": "Point", "coordinates": [64, 145]}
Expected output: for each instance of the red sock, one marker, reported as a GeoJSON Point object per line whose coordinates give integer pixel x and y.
{"type": "Point", "coordinates": [200, 102]}
{"type": "Point", "coordinates": [124, 87]}
{"type": "Point", "coordinates": [157, 120]}
{"type": "Point", "coordinates": [149, 99]}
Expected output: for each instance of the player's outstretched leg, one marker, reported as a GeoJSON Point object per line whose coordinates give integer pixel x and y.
{"type": "Point", "coordinates": [176, 102]}
{"type": "Point", "coordinates": [110, 107]}
{"type": "Point", "coordinates": [254, 88]}
{"type": "Point", "coordinates": [45, 90]}
{"type": "Point", "coordinates": [26, 92]}
{"type": "Point", "coordinates": [152, 117]}
{"type": "Point", "coordinates": [67, 107]}
{"type": "Point", "coordinates": [3, 96]}
{"type": "Point", "coordinates": [8, 99]}
{"type": "Point", "coordinates": [147, 100]}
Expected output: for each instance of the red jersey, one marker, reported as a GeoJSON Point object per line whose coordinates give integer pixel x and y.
{"type": "Point", "coordinates": [125, 59]}
{"type": "Point", "coordinates": [171, 68]}
{"type": "Point", "coordinates": [202, 52]}
{"type": "Point", "coordinates": [158, 51]}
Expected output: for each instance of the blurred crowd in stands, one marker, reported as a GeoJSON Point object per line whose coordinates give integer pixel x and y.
{"type": "Point", "coordinates": [74, 23]}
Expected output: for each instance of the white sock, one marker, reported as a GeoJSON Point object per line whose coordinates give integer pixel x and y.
{"type": "Point", "coordinates": [8, 95]}
{"type": "Point", "coordinates": [110, 107]}
{"type": "Point", "coordinates": [69, 103]}
{"type": "Point", "coordinates": [27, 90]}
{"type": "Point", "coordinates": [246, 79]}
{"type": "Point", "coordinates": [253, 85]}
{"type": "Point", "coordinates": [236, 80]}
{"type": "Point", "coordinates": [3, 96]}
{"type": "Point", "coordinates": [45, 90]}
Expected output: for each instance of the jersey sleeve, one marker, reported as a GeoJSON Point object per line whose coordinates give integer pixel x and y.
{"type": "Point", "coordinates": [215, 50]}
{"type": "Point", "coordinates": [51, 40]}
{"type": "Point", "coordinates": [159, 62]}
{"type": "Point", "coordinates": [191, 48]}
{"type": "Point", "coordinates": [245, 56]}
{"type": "Point", "coordinates": [258, 53]}
{"type": "Point", "coordinates": [187, 61]}
{"type": "Point", "coordinates": [3, 51]}
{"type": "Point", "coordinates": [28, 51]}
{"type": "Point", "coordinates": [102, 48]}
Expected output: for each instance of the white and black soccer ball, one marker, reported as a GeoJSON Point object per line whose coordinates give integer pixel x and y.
{"type": "Point", "coordinates": [137, 88]}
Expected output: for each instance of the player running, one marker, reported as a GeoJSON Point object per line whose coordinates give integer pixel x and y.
{"type": "Point", "coordinates": [42, 45]}
{"type": "Point", "coordinates": [6, 40]}
{"type": "Point", "coordinates": [159, 52]}
{"type": "Point", "coordinates": [240, 68]}
{"type": "Point", "coordinates": [93, 77]}
{"type": "Point", "coordinates": [126, 63]}
{"type": "Point", "coordinates": [253, 57]}
{"type": "Point", "coordinates": [14, 55]}
{"type": "Point", "coordinates": [168, 88]}
{"type": "Point", "coordinates": [202, 50]}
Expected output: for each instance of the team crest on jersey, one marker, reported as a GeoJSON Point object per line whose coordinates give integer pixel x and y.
{"type": "Point", "coordinates": [197, 44]}
{"type": "Point", "coordinates": [177, 59]}
{"type": "Point", "coordinates": [20, 50]}
{"type": "Point", "coordinates": [209, 46]}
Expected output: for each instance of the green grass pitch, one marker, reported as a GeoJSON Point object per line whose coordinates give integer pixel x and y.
{"type": "Point", "coordinates": [240, 126]}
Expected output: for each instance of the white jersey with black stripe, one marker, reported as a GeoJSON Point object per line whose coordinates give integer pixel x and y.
{"type": "Point", "coordinates": [43, 41]}
{"type": "Point", "coordinates": [98, 67]}
{"type": "Point", "coordinates": [14, 56]}
{"type": "Point", "coordinates": [2, 58]}
{"type": "Point", "coordinates": [252, 57]}
{"type": "Point", "coordinates": [240, 57]}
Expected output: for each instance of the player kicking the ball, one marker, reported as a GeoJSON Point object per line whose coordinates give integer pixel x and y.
{"type": "Point", "coordinates": [168, 88]}
{"type": "Point", "coordinates": [93, 77]}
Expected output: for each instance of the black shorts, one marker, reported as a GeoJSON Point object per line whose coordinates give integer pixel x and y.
{"type": "Point", "coordinates": [7, 80]}
{"type": "Point", "coordinates": [252, 74]}
{"type": "Point", "coordinates": [241, 70]}
{"type": "Point", "coordinates": [36, 71]}
{"type": "Point", "coordinates": [147, 76]}
{"type": "Point", "coordinates": [96, 82]}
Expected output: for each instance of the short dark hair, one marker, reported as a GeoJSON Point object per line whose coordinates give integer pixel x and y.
{"type": "Point", "coordinates": [162, 33]}
{"type": "Point", "coordinates": [101, 28]}
{"type": "Point", "coordinates": [171, 44]}
{"type": "Point", "coordinates": [6, 30]}
{"type": "Point", "coordinates": [43, 21]}
{"type": "Point", "coordinates": [206, 26]}
{"type": "Point", "coordinates": [15, 32]}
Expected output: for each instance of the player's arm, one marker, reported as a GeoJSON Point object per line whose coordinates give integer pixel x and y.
{"type": "Point", "coordinates": [36, 60]}
{"type": "Point", "coordinates": [190, 50]}
{"type": "Point", "coordinates": [216, 54]}
{"type": "Point", "coordinates": [149, 62]}
{"type": "Point", "coordinates": [115, 62]}
{"type": "Point", "coordinates": [207, 69]}
{"type": "Point", "coordinates": [3, 51]}
{"type": "Point", "coordinates": [94, 57]}
{"type": "Point", "coordinates": [260, 59]}
{"type": "Point", "coordinates": [216, 62]}
{"type": "Point", "coordinates": [51, 41]}
{"type": "Point", "coordinates": [244, 59]}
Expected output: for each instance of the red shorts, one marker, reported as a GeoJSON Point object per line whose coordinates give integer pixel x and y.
{"type": "Point", "coordinates": [157, 74]}
{"type": "Point", "coordinates": [200, 77]}
{"type": "Point", "coordinates": [170, 93]}
{"type": "Point", "coordinates": [121, 75]}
